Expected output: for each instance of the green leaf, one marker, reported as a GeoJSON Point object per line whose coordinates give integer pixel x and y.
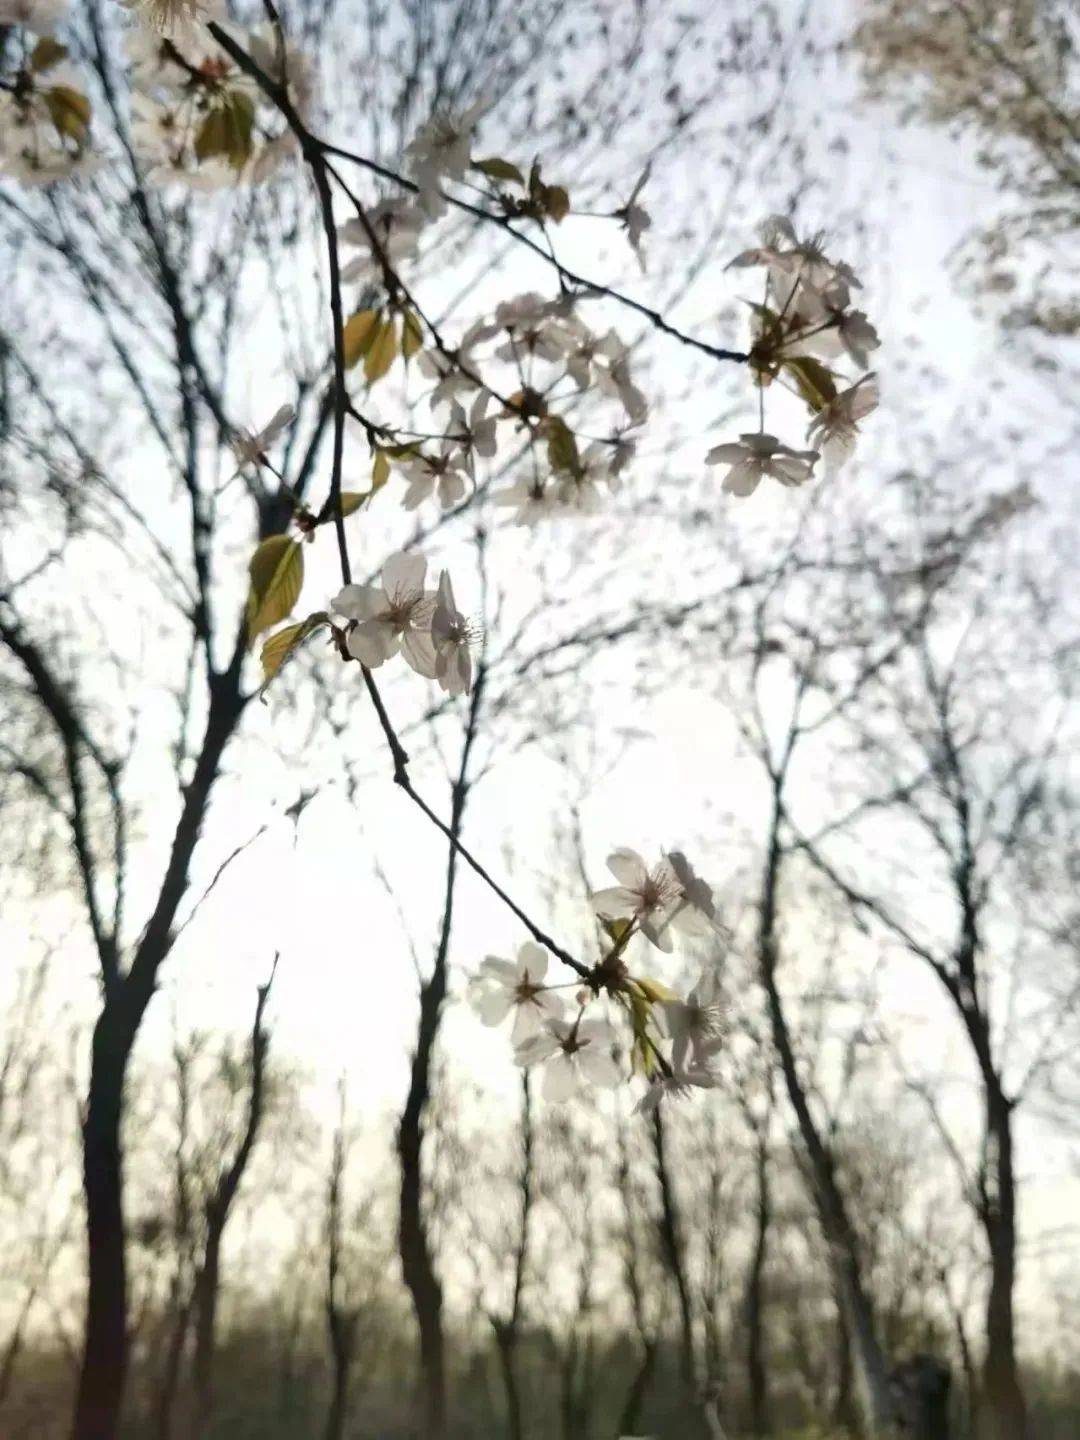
{"type": "Point", "coordinates": [813, 380]}
{"type": "Point", "coordinates": [499, 169]}
{"type": "Point", "coordinates": [277, 577]}
{"type": "Point", "coordinates": [279, 647]}
{"type": "Point", "coordinates": [380, 471]}
{"type": "Point", "coordinates": [654, 990]}
{"type": "Point", "coordinates": [46, 53]}
{"type": "Point", "coordinates": [69, 111]}
{"type": "Point", "coordinates": [357, 335]}
{"type": "Point", "coordinates": [616, 928]}
{"type": "Point", "coordinates": [562, 447]}
{"type": "Point", "coordinates": [412, 335]}
{"type": "Point", "coordinates": [351, 500]}
{"type": "Point", "coordinates": [227, 130]}
{"type": "Point", "coordinates": [381, 353]}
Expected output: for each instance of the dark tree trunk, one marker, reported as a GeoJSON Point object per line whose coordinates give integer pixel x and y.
{"type": "Point", "coordinates": [417, 1263]}
{"type": "Point", "coordinates": [922, 1385]}
{"type": "Point", "coordinates": [639, 1386]}
{"type": "Point", "coordinates": [1002, 1411]}
{"type": "Point", "coordinates": [218, 1209]}
{"type": "Point", "coordinates": [105, 1352]}
{"type": "Point", "coordinates": [875, 1400]}
{"type": "Point", "coordinates": [756, 1370]}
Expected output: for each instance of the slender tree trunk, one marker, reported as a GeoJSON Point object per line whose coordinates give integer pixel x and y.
{"type": "Point", "coordinates": [170, 1378]}
{"type": "Point", "coordinates": [875, 1401]}
{"type": "Point", "coordinates": [1002, 1411]}
{"type": "Point", "coordinates": [639, 1386]}
{"type": "Point", "coordinates": [218, 1210]}
{"type": "Point", "coordinates": [417, 1262]}
{"type": "Point", "coordinates": [756, 1370]}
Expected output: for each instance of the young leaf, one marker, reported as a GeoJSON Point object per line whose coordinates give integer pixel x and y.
{"type": "Point", "coordinates": [412, 335]}
{"type": "Point", "coordinates": [280, 646]}
{"type": "Point", "coordinates": [499, 169]}
{"type": "Point", "coordinates": [277, 577]}
{"type": "Point", "coordinates": [69, 111]}
{"type": "Point", "coordinates": [227, 130]}
{"type": "Point", "coordinates": [562, 447]}
{"type": "Point", "coordinates": [813, 380]}
{"type": "Point", "coordinates": [46, 53]}
{"type": "Point", "coordinates": [380, 471]}
{"type": "Point", "coordinates": [357, 335]}
{"type": "Point", "coordinates": [381, 352]}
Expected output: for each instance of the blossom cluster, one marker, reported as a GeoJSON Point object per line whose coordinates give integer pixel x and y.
{"type": "Point", "coordinates": [673, 1042]}
{"type": "Point", "coordinates": [805, 321]}
{"type": "Point", "coordinates": [400, 616]}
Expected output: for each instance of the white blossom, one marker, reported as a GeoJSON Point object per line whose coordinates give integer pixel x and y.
{"type": "Point", "coordinates": [635, 218]}
{"type": "Point", "coordinates": [171, 17]}
{"type": "Point", "coordinates": [250, 447]}
{"type": "Point", "coordinates": [649, 897]}
{"type": "Point", "coordinates": [434, 474]}
{"type": "Point", "coordinates": [393, 616]}
{"type": "Point", "coordinates": [696, 1025]}
{"type": "Point", "coordinates": [441, 150]}
{"type": "Point", "coordinates": [473, 433]}
{"type": "Point", "coordinates": [452, 635]}
{"type": "Point", "coordinates": [574, 1054]}
{"type": "Point", "coordinates": [396, 223]}
{"type": "Point", "coordinates": [504, 986]}
{"type": "Point", "coordinates": [531, 501]}
{"type": "Point", "coordinates": [756, 455]}
{"type": "Point", "coordinates": [836, 425]}
{"type": "Point", "coordinates": [677, 1085]}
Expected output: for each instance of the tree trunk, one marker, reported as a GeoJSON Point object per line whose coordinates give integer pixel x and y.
{"type": "Point", "coordinates": [417, 1264]}
{"type": "Point", "coordinates": [506, 1344]}
{"type": "Point", "coordinates": [756, 1373]}
{"type": "Point", "coordinates": [1002, 1411]}
{"type": "Point", "coordinates": [218, 1209]}
{"type": "Point", "coordinates": [635, 1396]}
{"type": "Point", "coordinates": [105, 1352]}
{"type": "Point", "coordinates": [874, 1398]}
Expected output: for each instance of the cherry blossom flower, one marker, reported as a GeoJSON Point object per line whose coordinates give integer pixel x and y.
{"type": "Point", "coordinates": [615, 379]}
{"type": "Point", "coordinates": [756, 455]}
{"type": "Point", "coordinates": [171, 17]}
{"type": "Point", "coordinates": [649, 897]}
{"type": "Point", "coordinates": [835, 427]}
{"type": "Point", "coordinates": [591, 349]}
{"type": "Point", "coordinates": [678, 1085]}
{"type": "Point", "coordinates": [250, 447]}
{"type": "Point", "coordinates": [475, 432]}
{"type": "Point", "coordinates": [696, 914]}
{"type": "Point", "coordinates": [434, 474]}
{"type": "Point", "coordinates": [396, 223]}
{"type": "Point", "coordinates": [574, 1054]}
{"type": "Point", "coordinates": [452, 635]}
{"type": "Point", "coordinates": [441, 150]}
{"type": "Point", "coordinates": [451, 379]}
{"type": "Point", "coordinates": [531, 501]}
{"type": "Point", "coordinates": [501, 986]}
{"type": "Point", "coordinates": [696, 1025]}
{"type": "Point", "coordinates": [635, 218]}
{"type": "Point", "coordinates": [534, 327]}
{"type": "Point", "coordinates": [391, 617]}
{"type": "Point", "coordinates": [668, 897]}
